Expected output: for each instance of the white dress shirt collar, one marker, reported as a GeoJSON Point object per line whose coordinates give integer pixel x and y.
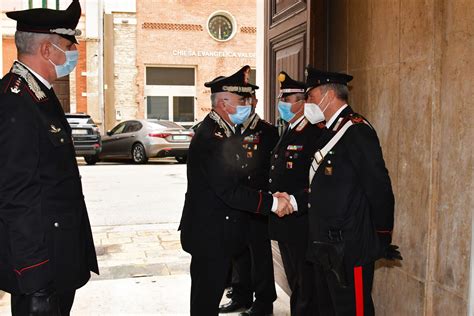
{"type": "Point", "coordinates": [335, 115]}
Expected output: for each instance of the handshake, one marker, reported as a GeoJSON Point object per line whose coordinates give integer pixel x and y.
{"type": "Point", "coordinates": [284, 204]}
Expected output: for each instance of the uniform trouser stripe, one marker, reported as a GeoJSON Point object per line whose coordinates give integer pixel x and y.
{"type": "Point", "coordinates": [359, 291]}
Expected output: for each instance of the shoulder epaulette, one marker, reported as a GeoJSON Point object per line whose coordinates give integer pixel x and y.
{"type": "Point", "coordinates": [266, 122]}
{"type": "Point", "coordinates": [354, 118]}
{"type": "Point", "coordinates": [359, 119]}
{"type": "Point", "coordinates": [30, 82]}
{"type": "Point", "coordinates": [220, 122]}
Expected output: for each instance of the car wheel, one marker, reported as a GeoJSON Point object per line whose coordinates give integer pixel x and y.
{"type": "Point", "coordinates": [91, 160]}
{"type": "Point", "coordinates": [139, 154]}
{"type": "Point", "coordinates": [181, 159]}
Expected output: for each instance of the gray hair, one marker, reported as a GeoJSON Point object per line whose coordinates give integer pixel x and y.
{"type": "Point", "coordinates": [341, 90]}
{"type": "Point", "coordinates": [28, 43]}
{"type": "Point", "coordinates": [215, 98]}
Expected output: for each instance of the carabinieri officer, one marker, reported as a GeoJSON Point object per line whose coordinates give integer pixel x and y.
{"type": "Point", "coordinates": [351, 202]}
{"type": "Point", "coordinates": [289, 167]}
{"type": "Point", "coordinates": [215, 221]}
{"type": "Point", "coordinates": [46, 246]}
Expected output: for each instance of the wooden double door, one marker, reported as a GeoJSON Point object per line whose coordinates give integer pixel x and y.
{"type": "Point", "coordinates": [295, 36]}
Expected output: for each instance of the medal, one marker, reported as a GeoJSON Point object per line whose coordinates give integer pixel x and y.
{"type": "Point", "coordinates": [328, 170]}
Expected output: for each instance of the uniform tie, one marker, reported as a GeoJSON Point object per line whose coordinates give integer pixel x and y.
{"type": "Point", "coordinates": [238, 129]}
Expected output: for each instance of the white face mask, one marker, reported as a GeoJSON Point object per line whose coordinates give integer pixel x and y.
{"type": "Point", "coordinates": [313, 113]}
{"type": "Point", "coordinates": [321, 102]}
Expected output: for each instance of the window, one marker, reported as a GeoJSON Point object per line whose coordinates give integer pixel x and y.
{"type": "Point", "coordinates": [118, 129]}
{"type": "Point", "coordinates": [157, 108]}
{"type": "Point", "coordinates": [183, 109]}
{"type": "Point", "coordinates": [170, 94]}
{"type": "Point", "coordinates": [44, 4]}
{"type": "Point", "coordinates": [133, 126]}
{"type": "Point", "coordinates": [165, 76]}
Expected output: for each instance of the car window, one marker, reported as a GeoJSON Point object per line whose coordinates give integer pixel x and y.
{"type": "Point", "coordinates": [118, 129]}
{"type": "Point", "coordinates": [132, 126]}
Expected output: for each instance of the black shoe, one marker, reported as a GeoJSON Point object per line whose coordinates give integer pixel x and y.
{"type": "Point", "coordinates": [233, 306]}
{"type": "Point", "coordinates": [254, 311]}
{"type": "Point", "coordinates": [229, 293]}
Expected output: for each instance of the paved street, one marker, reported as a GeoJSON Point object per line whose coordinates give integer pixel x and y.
{"type": "Point", "coordinates": [134, 211]}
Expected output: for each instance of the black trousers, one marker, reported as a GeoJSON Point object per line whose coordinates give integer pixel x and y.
{"type": "Point", "coordinates": [208, 280]}
{"type": "Point", "coordinates": [19, 304]}
{"type": "Point", "coordinates": [253, 273]}
{"type": "Point", "coordinates": [300, 275]}
{"type": "Point", "coordinates": [353, 300]}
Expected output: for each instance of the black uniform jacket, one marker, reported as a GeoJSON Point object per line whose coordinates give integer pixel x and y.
{"type": "Point", "coordinates": [45, 235]}
{"type": "Point", "coordinates": [217, 205]}
{"type": "Point", "coordinates": [351, 194]}
{"type": "Point", "coordinates": [290, 163]}
{"type": "Point", "coordinates": [258, 139]}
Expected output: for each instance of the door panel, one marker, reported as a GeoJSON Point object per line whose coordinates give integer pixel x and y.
{"type": "Point", "coordinates": [295, 36]}
{"type": "Point", "coordinates": [287, 53]}
{"type": "Point", "coordinates": [282, 10]}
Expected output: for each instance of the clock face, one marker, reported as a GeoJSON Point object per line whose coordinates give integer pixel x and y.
{"type": "Point", "coordinates": [220, 27]}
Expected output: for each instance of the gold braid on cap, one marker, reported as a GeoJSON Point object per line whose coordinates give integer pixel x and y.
{"type": "Point", "coordinates": [62, 31]}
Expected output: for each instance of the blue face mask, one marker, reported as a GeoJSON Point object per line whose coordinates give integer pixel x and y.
{"type": "Point", "coordinates": [241, 114]}
{"type": "Point", "coordinates": [71, 61]}
{"type": "Point", "coordinates": [285, 111]}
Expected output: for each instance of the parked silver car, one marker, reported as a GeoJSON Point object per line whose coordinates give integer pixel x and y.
{"type": "Point", "coordinates": [142, 139]}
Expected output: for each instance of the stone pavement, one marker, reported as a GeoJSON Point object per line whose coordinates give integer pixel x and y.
{"type": "Point", "coordinates": [144, 271]}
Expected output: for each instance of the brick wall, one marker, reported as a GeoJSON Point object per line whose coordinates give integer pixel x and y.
{"type": "Point", "coordinates": [81, 81]}
{"type": "Point", "coordinates": [181, 26]}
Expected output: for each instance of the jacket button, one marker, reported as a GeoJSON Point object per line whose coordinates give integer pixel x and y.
{"type": "Point", "coordinates": [276, 156]}
{"type": "Point", "coordinates": [56, 224]}
{"type": "Point", "coordinates": [62, 140]}
{"type": "Point", "coordinates": [249, 177]}
{"type": "Point", "coordinates": [269, 180]}
{"type": "Point", "coordinates": [309, 205]}
{"type": "Point", "coordinates": [309, 190]}
{"type": "Point", "coordinates": [273, 167]}
{"type": "Point", "coordinates": [227, 218]}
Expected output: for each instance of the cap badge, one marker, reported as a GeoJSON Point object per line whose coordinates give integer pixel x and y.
{"type": "Point", "coordinates": [281, 77]}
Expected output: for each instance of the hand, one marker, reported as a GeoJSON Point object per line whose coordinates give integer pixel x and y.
{"type": "Point", "coordinates": [391, 252]}
{"type": "Point", "coordinates": [44, 303]}
{"type": "Point", "coordinates": [282, 195]}
{"type": "Point", "coordinates": [284, 207]}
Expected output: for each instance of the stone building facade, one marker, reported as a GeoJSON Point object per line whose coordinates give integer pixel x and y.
{"type": "Point", "coordinates": [173, 37]}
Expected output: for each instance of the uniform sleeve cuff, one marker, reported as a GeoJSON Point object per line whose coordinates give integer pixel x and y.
{"type": "Point", "coordinates": [275, 205]}
{"type": "Point", "coordinates": [293, 203]}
